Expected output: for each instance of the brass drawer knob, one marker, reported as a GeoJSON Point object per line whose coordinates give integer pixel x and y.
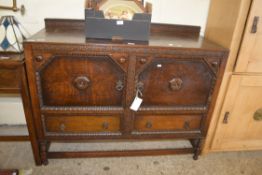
{"type": "Point", "coordinates": [39, 58]}
{"type": "Point", "coordinates": [105, 125]}
{"type": "Point", "coordinates": [258, 115]}
{"type": "Point", "coordinates": [149, 125]}
{"type": "Point", "coordinates": [62, 127]}
{"type": "Point", "coordinates": [187, 125]}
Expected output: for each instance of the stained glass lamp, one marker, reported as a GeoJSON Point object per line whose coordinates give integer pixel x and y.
{"type": "Point", "coordinates": [12, 34]}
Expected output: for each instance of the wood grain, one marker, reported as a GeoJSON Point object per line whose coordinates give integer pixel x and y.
{"type": "Point", "coordinates": [250, 55]}
{"type": "Point", "coordinates": [167, 123]}
{"type": "Point", "coordinates": [78, 124]}
{"type": "Point", "coordinates": [225, 26]}
{"type": "Point", "coordinates": [180, 76]}
{"type": "Point", "coordinates": [243, 99]}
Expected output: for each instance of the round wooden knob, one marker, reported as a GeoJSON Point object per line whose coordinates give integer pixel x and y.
{"type": "Point", "coordinates": [214, 63]}
{"type": "Point", "coordinates": [62, 127]}
{"type": "Point", "coordinates": [39, 58]}
{"type": "Point", "coordinates": [105, 125]}
{"type": "Point", "coordinates": [149, 125]}
{"type": "Point", "coordinates": [187, 125]}
{"type": "Point", "coordinates": [122, 60]}
{"type": "Point", "coordinates": [143, 60]}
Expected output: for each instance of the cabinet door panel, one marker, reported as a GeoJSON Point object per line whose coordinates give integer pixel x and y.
{"type": "Point", "coordinates": [250, 57]}
{"type": "Point", "coordinates": [174, 82]}
{"type": "Point", "coordinates": [241, 130]}
{"type": "Point", "coordinates": [81, 81]}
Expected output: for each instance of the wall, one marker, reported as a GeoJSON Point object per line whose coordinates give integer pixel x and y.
{"type": "Point", "coordinates": [190, 12]}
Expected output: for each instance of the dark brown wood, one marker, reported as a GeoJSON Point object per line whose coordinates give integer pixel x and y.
{"type": "Point", "coordinates": [126, 153]}
{"type": "Point", "coordinates": [86, 85]}
{"type": "Point", "coordinates": [81, 90]}
{"type": "Point", "coordinates": [10, 72]}
{"type": "Point", "coordinates": [13, 138]}
{"type": "Point", "coordinates": [29, 117]}
{"type": "Point", "coordinates": [195, 78]}
{"type": "Point", "coordinates": [156, 28]}
{"type": "Point", "coordinates": [80, 124]}
{"type": "Point", "coordinates": [167, 123]}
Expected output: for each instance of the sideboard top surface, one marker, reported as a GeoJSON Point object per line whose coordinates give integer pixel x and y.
{"type": "Point", "coordinates": [58, 31]}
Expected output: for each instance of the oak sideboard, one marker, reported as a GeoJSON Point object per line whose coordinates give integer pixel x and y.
{"type": "Point", "coordinates": [82, 89]}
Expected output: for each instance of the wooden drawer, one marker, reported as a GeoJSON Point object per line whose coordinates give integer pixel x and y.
{"type": "Point", "coordinates": [10, 78]}
{"type": "Point", "coordinates": [167, 123]}
{"type": "Point", "coordinates": [79, 124]}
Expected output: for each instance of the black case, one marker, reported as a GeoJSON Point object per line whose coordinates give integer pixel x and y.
{"type": "Point", "coordinates": [97, 27]}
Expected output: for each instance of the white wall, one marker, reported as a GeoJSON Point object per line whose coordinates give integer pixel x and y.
{"type": "Point", "coordinates": [190, 12]}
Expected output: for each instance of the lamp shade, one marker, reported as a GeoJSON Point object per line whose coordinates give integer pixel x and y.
{"type": "Point", "coordinates": [12, 34]}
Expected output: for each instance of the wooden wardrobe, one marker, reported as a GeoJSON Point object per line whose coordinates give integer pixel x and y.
{"type": "Point", "coordinates": [237, 123]}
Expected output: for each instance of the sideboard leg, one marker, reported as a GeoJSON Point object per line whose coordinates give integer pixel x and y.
{"type": "Point", "coordinates": [44, 149]}
{"type": "Point", "coordinates": [197, 145]}
{"type": "Point", "coordinates": [29, 117]}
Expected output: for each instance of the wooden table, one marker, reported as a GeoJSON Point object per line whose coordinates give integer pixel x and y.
{"type": "Point", "coordinates": [11, 76]}
{"type": "Point", "coordinates": [13, 79]}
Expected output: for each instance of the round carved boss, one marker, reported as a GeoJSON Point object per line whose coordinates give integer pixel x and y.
{"type": "Point", "coordinates": [81, 82]}
{"type": "Point", "coordinates": [175, 84]}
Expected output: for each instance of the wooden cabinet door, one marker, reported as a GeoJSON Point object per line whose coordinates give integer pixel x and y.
{"type": "Point", "coordinates": [86, 80]}
{"type": "Point", "coordinates": [174, 82]}
{"type": "Point", "coordinates": [250, 57]}
{"type": "Point", "coordinates": [240, 124]}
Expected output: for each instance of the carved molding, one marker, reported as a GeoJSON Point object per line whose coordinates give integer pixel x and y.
{"type": "Point", "coordinates": [213, 64]}
{"type": "Point", "coordinates": [139, 49]}
{"type": "Point", "coordinates": [166, 132]}
{"type": "Point", "coordinates": [173, 108]}
{"type": "Point", "coordinates": [82, 108]}
{"type": "Point", "coordinates": [39, 89]}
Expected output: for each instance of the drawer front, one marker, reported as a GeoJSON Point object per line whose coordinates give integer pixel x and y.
{"type": "Point", "coordinates": [73, 80]}
{"type": "Point", "coordinates": [176, 82]}
{"type": "Point", "coordinates": [82, 124]}
{"type": "Point", "coordinates": [9, 79]}
{"type": "Point", "coordinates": [167, 123]}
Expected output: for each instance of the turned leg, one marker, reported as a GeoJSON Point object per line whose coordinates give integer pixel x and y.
{"type": "Point", "coordinates": [197, 146]}
{"type": "Point", "coordinates": [44, 148]}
